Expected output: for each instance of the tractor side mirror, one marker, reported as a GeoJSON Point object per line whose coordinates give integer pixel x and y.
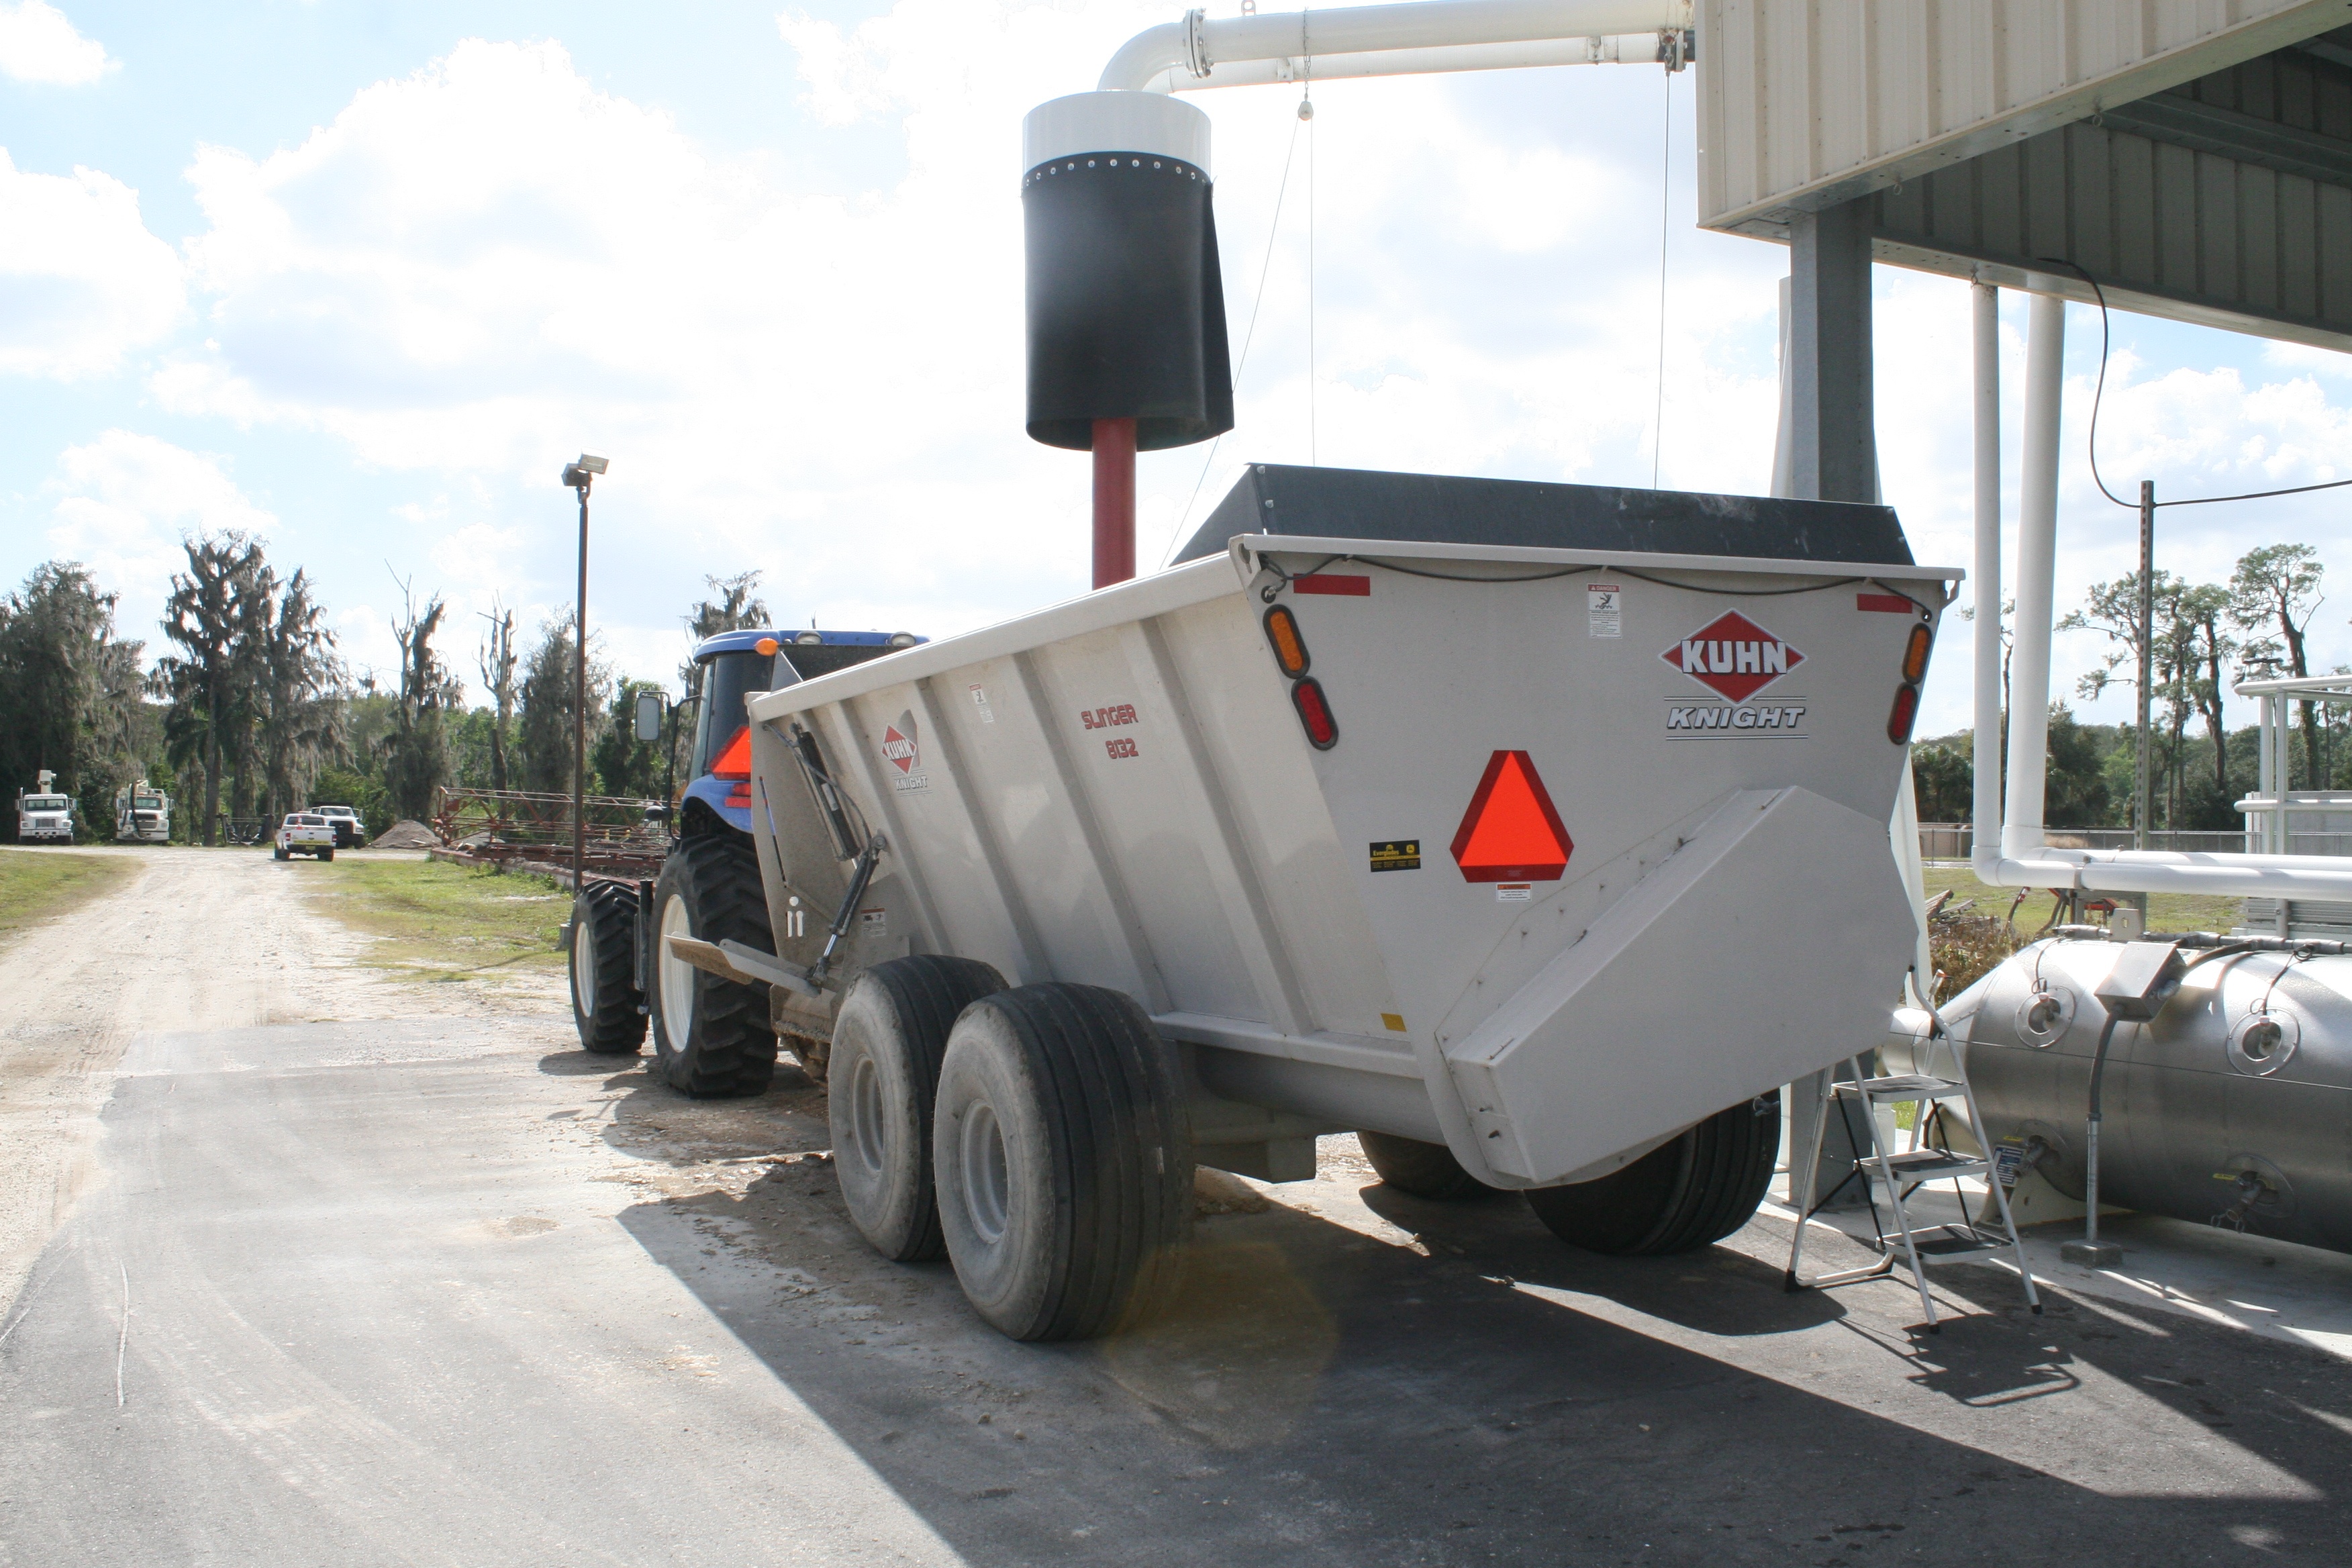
{"type": "Point", "coordinates": [649, 716]}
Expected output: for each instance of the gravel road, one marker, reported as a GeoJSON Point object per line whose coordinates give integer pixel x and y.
{"type": "Point", "coordinates": [336, 1269]}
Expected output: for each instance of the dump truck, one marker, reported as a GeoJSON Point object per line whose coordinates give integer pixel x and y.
{"type": "Point", "coordinates": [713, 1037]}
{"type": "Point", "coordinates": [43, 815]}
{"type": "Point", "coordinates": [1536, 833]}
{"type": "Point", "coordinates": [143, 815]}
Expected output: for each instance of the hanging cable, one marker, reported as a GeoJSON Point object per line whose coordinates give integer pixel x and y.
{"type": "Point", "coordinates": [1665, 172]}
{"type": "Point", "coordinates": [1273, 231]}
{"type": "Point", "coordinates": [2098, 397]}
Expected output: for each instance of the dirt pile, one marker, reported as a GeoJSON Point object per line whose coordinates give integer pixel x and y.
{"type": "Point", "coordinates": [406, 833]}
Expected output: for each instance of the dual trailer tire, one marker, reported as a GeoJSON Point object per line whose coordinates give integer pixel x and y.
{"type": "Point", "coordinates": [1037, 1136]}
{"type": "Point", "coordinates": [711, 1039]}
{"type": "Point", "coordinates": [1689, 1192]}
{"type": "Point", "coordinates": [606, 1006]}
{"type": "Point", "coordinates": [883, 1080]}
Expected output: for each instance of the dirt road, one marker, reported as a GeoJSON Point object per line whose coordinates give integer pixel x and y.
{"type": "Point", "coordinates": [353, 1272]}
{"type": "Point", "coordinates": [199, 938]}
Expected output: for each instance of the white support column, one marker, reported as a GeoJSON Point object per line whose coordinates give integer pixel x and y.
{"type": "Point", "coordinates": [2022, 831]}
{"type": "Point", "coordinates": [1986, 566]}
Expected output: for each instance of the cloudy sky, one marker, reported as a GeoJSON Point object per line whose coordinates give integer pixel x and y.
{"type": "Point", "coordinates": [360, 279]}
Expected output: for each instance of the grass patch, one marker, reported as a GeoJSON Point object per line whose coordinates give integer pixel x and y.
{"type": "Point", "coordinates": [445, 922]}
{"type": "Point", "coordinates": [2166, 911]}
{"type": "Point", "coordinates": [37, 886]}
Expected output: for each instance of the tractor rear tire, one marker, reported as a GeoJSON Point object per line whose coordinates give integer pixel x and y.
{"type": "Point", "coordinates": [1064, 1153]}
{"type": "Point", "coordinates": [883, 1079]}
{"type": "Point", "coordinates": [606, 1006]}
{"type": "Point", "coordinates": [1424, 1170]}
{"type": "Point", "coordinates": [710, 1035]}
{"type": "Point", "coordinates": [1687, 1194]}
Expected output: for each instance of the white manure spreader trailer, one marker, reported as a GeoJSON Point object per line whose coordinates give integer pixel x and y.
{"type": "Point", "coordinates": [1537, 833]}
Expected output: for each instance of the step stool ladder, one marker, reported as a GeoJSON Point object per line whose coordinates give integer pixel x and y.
{"type": "Point", "coordinates": [1902, 1172]}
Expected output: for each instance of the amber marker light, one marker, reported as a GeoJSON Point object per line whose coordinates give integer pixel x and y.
{"type": "Point", "coordinates": [1915, 653]}
{"type": "Point", "coordinates": [765, 647]}
{"type": "Point", "coordinates": [1282, 636]}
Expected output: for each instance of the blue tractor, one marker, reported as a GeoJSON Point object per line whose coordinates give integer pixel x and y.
{"type": "Point", "coordinates": [713, 1037]}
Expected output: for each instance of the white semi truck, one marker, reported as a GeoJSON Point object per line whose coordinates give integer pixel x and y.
{"type": "Point", "coordinates": [143, 815]}
{"type": "Point", "coordinates": [43, 815]}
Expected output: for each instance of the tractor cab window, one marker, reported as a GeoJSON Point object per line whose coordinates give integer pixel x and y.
{"type": "Point", "coordinates": [45, 803]}
{"type": "Point", "coordinates": [728, 680]}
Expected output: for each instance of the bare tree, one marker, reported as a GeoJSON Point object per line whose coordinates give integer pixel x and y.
{"type": "Point", "coordinates": [416, 750]}
{"type": "Point", "coordinates": [496, 661]}
{"type": "Point", "coordinates": [2277, 587]}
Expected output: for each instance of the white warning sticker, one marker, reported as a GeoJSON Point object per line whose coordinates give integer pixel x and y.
{"type": "Point", "coordinates": [1515, 892]}
{"type": "Point", "coordinates": [1603, 610]}
{"type": "Point", "coordinates": [980, 701]}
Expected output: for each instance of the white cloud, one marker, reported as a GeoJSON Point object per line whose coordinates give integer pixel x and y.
{"type": "Point", "coordinates": [124, 502]}
{"type": "Point", "coordinates": [83, 282]}
{"type": "Point", "coordinates": [38, 45]}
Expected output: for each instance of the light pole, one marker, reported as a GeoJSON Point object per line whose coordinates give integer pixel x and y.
{"type": "Point", "coordinates": [579, 475]}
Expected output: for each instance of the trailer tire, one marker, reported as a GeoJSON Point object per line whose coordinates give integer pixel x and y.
{"type": "Point", "coordinates": [1424, 1170]}
{"type": "Point", "coordinates": [1687, 1194]}
{"type": "Point", "coordinates": [1064, 1152]}
{"type": "Point", "coordinates": [887, 1039]}
{"type": "Point", "coordinates": [711, 1039]}
{"type": "Point", "coordinates": [606, 1006]}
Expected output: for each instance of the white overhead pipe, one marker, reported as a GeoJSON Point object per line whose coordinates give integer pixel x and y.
{"type": "Point", "coordinates": [2022, 857]}
{"type": "Point", "coordinates": [1622, 49]}
{"type": "Point", "coordinates": [1987, 746]}
{"type": "Point", "coordinates": [1198, 46]}
{"type": "Point", "coordinates": [2037, 559]}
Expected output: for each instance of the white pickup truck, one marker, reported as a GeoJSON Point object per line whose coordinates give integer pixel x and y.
{"type": "Point", "coordinates": [305, 833]}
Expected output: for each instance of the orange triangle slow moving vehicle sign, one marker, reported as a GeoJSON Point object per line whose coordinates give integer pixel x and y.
{"type": "Point", "coordinates": [1511, 833]}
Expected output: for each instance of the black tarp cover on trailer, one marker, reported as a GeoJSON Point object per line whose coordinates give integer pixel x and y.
{"type": "Point", "coordinates": [1367, 503]}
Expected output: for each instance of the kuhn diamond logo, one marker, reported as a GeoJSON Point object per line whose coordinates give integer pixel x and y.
{"type": "Point", "coordinates": [1733, 656]}
{"type": "Point", "coordinates": [898, 749]}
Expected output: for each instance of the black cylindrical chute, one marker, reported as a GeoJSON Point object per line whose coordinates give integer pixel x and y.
{"type": "Point", "coordinates": [1126, 304]}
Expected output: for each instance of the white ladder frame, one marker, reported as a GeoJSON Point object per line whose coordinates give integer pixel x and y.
{"type": "Point", "coordinates": [1881, 1160]}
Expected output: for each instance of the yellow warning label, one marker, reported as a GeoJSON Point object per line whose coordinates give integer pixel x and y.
{"type": "Point", "coordinates": [1394, 1021]}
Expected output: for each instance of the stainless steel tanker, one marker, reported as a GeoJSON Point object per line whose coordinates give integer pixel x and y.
{"type": "Point", "coordinates": [2233, 1105]}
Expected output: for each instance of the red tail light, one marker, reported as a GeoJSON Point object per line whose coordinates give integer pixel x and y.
{"type": "Point", "coordinates": [740, 794]}
{"type": "Point", "coordinates": [1904, 714]}
{"type": "Point", "coordinates": [1315, 713]}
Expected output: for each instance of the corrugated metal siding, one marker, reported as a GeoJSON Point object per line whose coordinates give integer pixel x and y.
{"type": "Point", "coordinates": [2166, 229]}
{"type": "Point", "coordinates": [1803, 103]}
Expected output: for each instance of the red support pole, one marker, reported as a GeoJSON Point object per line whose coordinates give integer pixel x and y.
{"type": "Point", "coordinates": [1113, 501]}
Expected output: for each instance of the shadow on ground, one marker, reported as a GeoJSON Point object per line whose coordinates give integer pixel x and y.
{"type": "Point", "coordinates": [1345, 1399]}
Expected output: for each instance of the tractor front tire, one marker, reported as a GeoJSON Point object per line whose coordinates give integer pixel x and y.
{"type": "Point", "coordinates": [711, 1039]}
{"type": "Point", "coordinates": [606, 1007]}
{"type": "Point", "coordinates": [1689, 1192]}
